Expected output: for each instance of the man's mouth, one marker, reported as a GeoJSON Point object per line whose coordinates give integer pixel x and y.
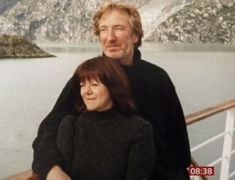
{"type": "Point", "coordinates": [113, 48]}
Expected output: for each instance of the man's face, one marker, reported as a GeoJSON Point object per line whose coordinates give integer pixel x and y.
{"type": "Point", "coordinates": [116, 36]}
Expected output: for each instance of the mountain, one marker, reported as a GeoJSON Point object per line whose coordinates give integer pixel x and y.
{"type": "Point", "coordinates": [198, 22]}
{"type": "Point", "coordinates": [6, 5]}
{"type": "Point", "coordinates": [71, 20]}
{"type": "Point", "coordinates": [17, 47]}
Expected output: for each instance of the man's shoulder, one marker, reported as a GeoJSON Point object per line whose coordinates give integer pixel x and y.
{"type": "Point", "coordinates": [150, 67]}
{"type": "Point", "coordinates": [153, 71]}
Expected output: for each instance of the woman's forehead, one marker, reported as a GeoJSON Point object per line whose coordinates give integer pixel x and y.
{"type": "Point", "coordinates": [90, 78]}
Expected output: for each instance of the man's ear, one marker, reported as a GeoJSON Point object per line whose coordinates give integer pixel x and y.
{"type": "Point", "coordinates": [135, 38]}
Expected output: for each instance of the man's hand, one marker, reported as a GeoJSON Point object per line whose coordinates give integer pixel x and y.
{"type": "Point", "coordinates": [56, 173]}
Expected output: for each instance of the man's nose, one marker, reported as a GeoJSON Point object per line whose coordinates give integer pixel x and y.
{"type": "Point", "coordinates": [111, 35]}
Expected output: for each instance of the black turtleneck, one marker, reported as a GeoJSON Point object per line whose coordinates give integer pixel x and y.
{"type": "Point", "coordinates": [106, 146]}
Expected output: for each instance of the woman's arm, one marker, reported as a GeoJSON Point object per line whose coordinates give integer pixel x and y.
{"type": "Point", "coordinates": [65, 139]}
{"type": "Point", "coordinates": [141, 155]}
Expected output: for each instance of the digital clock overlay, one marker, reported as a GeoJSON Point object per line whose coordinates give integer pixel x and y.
{"type": "Point", "coordinates": [201, 171]}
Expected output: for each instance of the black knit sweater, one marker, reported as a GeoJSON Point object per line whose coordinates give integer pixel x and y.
{"type": "Point", "coordinates": [157, 102]}
{"type": "Point", "coordinates": [106, 146]}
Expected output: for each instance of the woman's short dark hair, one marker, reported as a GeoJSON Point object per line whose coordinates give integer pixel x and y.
{"type": "Point", "coordinates": [111, 74]}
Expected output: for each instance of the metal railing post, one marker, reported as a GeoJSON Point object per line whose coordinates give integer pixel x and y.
{"type": "Point", "coordinates": [196, 178]}
{"type": "Point", "coordinates": [227, 147]}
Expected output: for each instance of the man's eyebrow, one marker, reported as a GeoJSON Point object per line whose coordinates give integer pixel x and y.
{"type": "Point", "coordinates": [119, 25]}
{"type": "Point", "coordinates": [116, 25]}
{"type": "Point", "coordinates": [103, 26]}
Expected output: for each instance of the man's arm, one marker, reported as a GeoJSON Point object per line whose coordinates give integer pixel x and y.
{"type": "Point", "coordinates": [46, 154]}
{"type": "Point", "coordinates": [177, 129]}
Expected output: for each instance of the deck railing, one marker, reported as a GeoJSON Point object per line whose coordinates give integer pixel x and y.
{"type": "Point", "coordinates": [225, 158]}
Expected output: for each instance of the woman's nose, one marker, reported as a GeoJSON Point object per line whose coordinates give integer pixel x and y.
{"type": "Point", "coordinates": [88, 90]}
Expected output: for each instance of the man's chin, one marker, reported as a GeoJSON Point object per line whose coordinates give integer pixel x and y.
{"type": "Point", "coordinates": [114, 55]}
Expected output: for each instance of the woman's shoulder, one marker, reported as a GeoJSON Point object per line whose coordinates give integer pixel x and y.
{"type": "Point", "coordinates": [68, 121]}
{"type": "Point", "coordinates": [140, 129]}
{"type": "Point", "coordinates": [70, 117]}
{"type": "Point", "coordinates": [139, 119]}
{"type": "Point", "coordinates": [139, 122]}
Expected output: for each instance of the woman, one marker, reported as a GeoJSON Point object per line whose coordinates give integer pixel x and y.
{"type": "Point", "coordinates": [105, 140]}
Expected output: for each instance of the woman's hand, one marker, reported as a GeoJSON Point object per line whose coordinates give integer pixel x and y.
{"type": "Point", "coordinates": [56, 173]}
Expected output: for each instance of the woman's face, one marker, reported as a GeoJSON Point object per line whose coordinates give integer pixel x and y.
{"type": "Point", "coordinates": [95, 95]}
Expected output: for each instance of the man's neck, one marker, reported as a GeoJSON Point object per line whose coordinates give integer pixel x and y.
{"type": "Point", "coordinates": [126, 61]}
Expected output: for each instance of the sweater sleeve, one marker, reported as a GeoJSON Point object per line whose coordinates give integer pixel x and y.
{"type": "Point", "coordinates": [177, 129]}
{"type": "Point", "coordinates": [65, 138]}
{"type": "Point", "coordinates": [46, 154]}
{"type": "Point", "coordinates": [141, 156]}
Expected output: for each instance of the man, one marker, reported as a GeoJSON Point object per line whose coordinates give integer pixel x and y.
{"type": "Point", "coordinates": [120, 33]}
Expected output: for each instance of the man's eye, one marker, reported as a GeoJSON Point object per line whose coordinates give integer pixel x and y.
{"type": "Point", "coordinates": [119, 28]}
{"type": "Point", "coordinates": [103, 30]}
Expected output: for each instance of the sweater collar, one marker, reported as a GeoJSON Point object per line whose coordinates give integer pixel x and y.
{"type": "Point", "coordinates": [99, 115]}
{"type": "Point", "coordinates": [137, 55]}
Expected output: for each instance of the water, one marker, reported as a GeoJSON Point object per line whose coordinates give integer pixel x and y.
{"type": "Point", "coordinates": [203, 76]}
